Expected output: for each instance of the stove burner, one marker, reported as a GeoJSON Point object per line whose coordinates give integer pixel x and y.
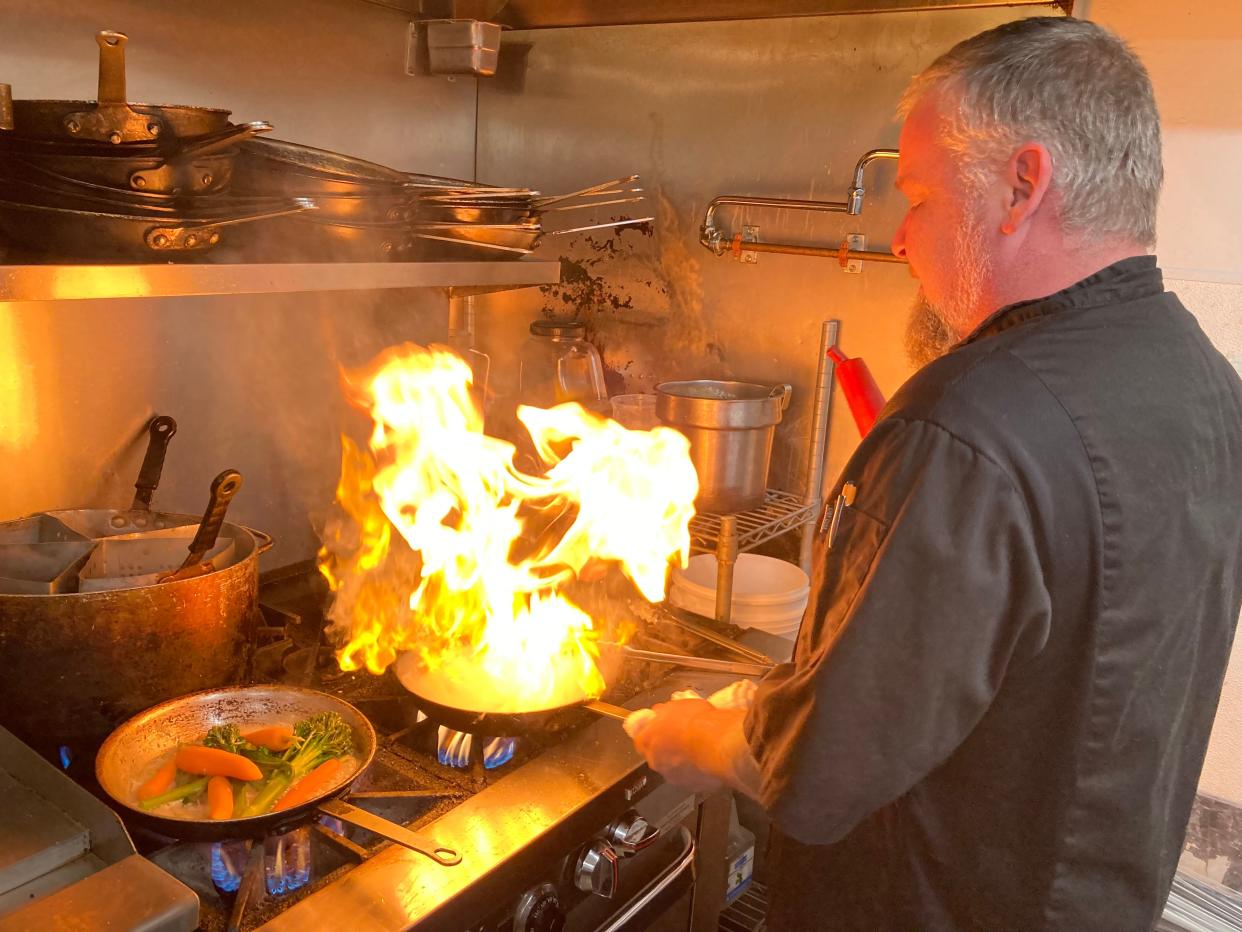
{"type": "Point", "coordinates": [456, 749]}
{"type": "Point", "coordinates": [286, 863]}
{"type": "Point", "coordinates": [228, 862]}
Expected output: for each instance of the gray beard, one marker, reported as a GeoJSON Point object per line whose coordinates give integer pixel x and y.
{"type": "Point", "coordinates": [928, 335]}
{"type": "Point", "coordinates": [932, 331]}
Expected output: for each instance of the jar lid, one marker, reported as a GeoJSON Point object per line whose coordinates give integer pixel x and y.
{"type": "Point", "coordinates": [558, 327]}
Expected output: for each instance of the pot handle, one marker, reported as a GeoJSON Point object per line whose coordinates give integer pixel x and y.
{"type": "Point", "coordinates": [784, 391]}
{"type": "Point", "coordinates": [265, 542]}
{"type": "Point", "coordinates": [160, 430]}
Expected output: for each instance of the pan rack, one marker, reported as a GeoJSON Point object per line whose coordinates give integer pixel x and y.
{"type": "Point", "coordinates": [781, 512]}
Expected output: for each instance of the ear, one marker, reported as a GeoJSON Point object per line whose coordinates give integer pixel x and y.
{"type": "Point", "coordinates": [1027, 177]}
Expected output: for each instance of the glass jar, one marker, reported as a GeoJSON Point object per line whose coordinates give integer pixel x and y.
{"type": "Point", "coordinates": [556, 364]}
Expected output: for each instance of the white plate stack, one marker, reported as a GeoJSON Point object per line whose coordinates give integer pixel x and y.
{"type": "Point", "coordinates": [768, 594]}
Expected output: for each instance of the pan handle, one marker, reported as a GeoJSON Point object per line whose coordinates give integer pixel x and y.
{"type": "Point", "coordinates": [265, 542]}
{"type": "Point", "coordinates": [161, 430]}
{"type": "Point", "coordinates": [608, 709]}
{"type": "Point", "coordinates": [112, 67]}
{"type": "Point", "coordinates": [339, 809]}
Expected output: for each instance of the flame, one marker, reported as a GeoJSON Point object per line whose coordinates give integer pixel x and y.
{"type": "Point", "coordinates": [447, 559]}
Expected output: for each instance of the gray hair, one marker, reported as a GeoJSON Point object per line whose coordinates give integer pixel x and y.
{"type": "Point", "coordinates": [1072, 86]}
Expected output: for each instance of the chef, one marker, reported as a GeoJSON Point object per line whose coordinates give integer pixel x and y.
{"type": "Point", "coordinates": [1027, 583]}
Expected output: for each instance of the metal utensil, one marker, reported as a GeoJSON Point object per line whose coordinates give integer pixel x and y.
{"type": "Point", "coordinates": [223, 488]}
{"type": "Point", "coordinates": [706, 664]}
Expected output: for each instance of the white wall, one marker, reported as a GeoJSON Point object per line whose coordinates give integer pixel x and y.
{"type": "Point", "coordinates": [1194, 54]}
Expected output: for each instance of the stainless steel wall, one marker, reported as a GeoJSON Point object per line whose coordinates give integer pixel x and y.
{"type": "Point", "coordinates": [253, 380]}
{"type": "Point", "coordinates": [775, 107]}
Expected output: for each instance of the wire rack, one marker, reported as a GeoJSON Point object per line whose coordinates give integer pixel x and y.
{"type": "Point", "coordinates": [780, 512]}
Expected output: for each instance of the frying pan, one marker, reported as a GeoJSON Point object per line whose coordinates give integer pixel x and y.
{"type": "Point", "coordinates": [111, 118]}
{"type": "Point", "coordinates": [148, 173]}
{"type": "Point", "coordinates": [130, 750]}
{"type": "Point", "coordinates": [436, 696]}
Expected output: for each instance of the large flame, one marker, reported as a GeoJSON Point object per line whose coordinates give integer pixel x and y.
{"type": "Point", "coordinates": [449, 558]}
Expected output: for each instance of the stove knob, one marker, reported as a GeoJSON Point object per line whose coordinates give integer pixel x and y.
{"type": "Point", "coordinates": [598, 870]}
{"type": "Point", "coordinates": [631, 833]}
{"type": "Point", "coordinates": [539, 911]}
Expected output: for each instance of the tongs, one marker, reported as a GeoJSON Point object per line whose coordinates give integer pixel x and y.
{"type": "Point", "coordinates": [706, 664]}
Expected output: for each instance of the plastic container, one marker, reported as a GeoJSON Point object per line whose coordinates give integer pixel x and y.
{"type": "Point", "coordinates": [768, 594]}
{"type": "Point", "coordinates": [637, 412]}
{"type": "Point", "coordinates": [556, 364]}
{"type": "Point", "coordinates": [739, 857]}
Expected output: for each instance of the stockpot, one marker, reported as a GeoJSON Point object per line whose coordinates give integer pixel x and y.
{"type": "Point", "coordinates": [730, 426]}
{"type": "Point", "coordinates": [77, 664]}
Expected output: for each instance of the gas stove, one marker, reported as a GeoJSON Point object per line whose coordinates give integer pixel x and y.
{"type": "Point", "coordinates": [566, 830]}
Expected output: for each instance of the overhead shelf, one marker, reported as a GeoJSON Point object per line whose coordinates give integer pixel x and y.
{"type": "Point", "coordinates": [551, 14]}
{"type": "Point", "coordinates": [73, 282]}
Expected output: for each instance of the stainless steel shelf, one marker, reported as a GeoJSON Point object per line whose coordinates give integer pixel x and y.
{"type": "Point", "coordinates": [72, 282]}
{"type": "Point", "coordinates": [780, 512]}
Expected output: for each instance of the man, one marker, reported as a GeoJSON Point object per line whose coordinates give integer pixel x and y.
{"type": "Point", "coordinates": [1004, 684]}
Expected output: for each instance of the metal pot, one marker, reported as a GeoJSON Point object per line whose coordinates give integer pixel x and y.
{"type": "Point", "coordinates": [77, 664]}
{"type": "Point", "coordinates": [730, 426]}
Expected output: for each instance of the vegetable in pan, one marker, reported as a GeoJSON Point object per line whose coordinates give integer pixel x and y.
{"type": "Point", "coordinates": [263, 770]}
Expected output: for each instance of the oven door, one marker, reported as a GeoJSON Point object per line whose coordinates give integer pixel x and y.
{"type": "Point", "coordinates": [654, 893]}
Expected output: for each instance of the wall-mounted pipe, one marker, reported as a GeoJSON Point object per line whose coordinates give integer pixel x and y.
{"type": "Point", "coordinates": [719, 241]}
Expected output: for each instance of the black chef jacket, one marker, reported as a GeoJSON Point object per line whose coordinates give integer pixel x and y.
{"type": "Point", "coordinates": [1002, 691]}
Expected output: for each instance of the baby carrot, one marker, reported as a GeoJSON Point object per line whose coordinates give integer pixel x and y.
{"type": "Point", "coordinates": [160, 781]}
{"type": "Point", "coordinates": [310, 785]}
{"type": "Point", "coordinates": [213, 762]}
{"type": "Point", "coordinates": [274, 737]}
{"type": "Point", "coordinates": [220, 798]}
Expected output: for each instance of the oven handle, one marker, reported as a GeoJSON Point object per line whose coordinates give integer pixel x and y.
{"type": "Point", "coordinates": [659, 893]}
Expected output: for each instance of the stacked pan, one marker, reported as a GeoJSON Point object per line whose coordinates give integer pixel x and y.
{"type": "Point", "coordinates": [107, 179]}
{"type": "Point", "coordinates": [363, 210]}
{"type": "Point", "coordinates": [370, 212]}
{"type": "Point", "coordinates": [497, 223]}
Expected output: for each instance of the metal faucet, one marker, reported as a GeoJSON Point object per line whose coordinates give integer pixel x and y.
{"type": "Point", "coordinates": [718, 241]}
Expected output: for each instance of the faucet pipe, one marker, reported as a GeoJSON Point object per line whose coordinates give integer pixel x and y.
{"type": "Point", "coordinates": [718, 240]}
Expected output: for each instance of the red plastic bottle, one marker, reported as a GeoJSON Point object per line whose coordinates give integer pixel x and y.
{"type": "Point", "coordinates": [858, 386]}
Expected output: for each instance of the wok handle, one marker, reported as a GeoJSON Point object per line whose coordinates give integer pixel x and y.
{"type": "Point", "coordinates": [339, 809]}
{"type": "Point", "coordinates": [161, 430]}
{"type": "Point", "coordinates": [608, 709]}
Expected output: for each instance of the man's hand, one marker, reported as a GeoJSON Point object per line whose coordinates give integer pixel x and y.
{"type": "Point", "coordinates": [693, 744]}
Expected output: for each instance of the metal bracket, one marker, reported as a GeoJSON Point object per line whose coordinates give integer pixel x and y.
{"type": "Point", "coordinates": [855, 242]}
{"type": "Point", "coordinates": [750, 234]}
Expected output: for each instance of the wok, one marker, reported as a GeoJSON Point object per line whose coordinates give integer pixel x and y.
{"type": "Point", "coordinates": [111, 118]}
{"type": "Point", "coordinates": [128, 753]}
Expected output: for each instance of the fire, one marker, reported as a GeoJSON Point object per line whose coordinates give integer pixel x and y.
{"type": "Point", "coordinates": [449, 560]}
